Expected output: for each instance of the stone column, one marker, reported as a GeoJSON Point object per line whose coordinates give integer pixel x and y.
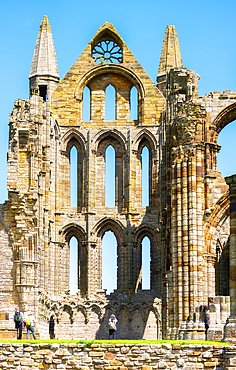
{"type": "Point", "coordinates": [230, 328]}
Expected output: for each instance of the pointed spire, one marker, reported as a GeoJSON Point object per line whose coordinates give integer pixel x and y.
{"type": "Point", "coordinates": [44, 61]}
{"type": "Point", "coordinates": [170, 54]}
{"type": "Point", "coordinates": [44, 75]}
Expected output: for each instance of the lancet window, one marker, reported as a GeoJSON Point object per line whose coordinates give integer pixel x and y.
{"type": "Point", "coordinates": [110, 103]}
{"type": "Point", "coordinates": [109, 262]}
{"type": "Point", "coordinates": [145, 176]}
{"type": "Point", "coordinates": [110, 162]}
{"type": "Point", "coordinates": [73, 266]}
{"type": "Point", "coordinates": [73, 177]}
{"type": "Point", "coordinates": [86, 104]}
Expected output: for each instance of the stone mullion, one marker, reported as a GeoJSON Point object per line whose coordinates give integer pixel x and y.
{"type": "Point", "coordinates": [123, 279]}
{"type": "Point", "coordinates": [119, 182]}
{"type": "Point", "coordinates": [128, 267]}
{"type": "Point", "coordinates": [179, 241]}
{"type": "Point", "coordinates": [83, 269]}
{"type": "Point", "coordinates": [56, 270]}
{"type": "Point", "coordinates": [55, 234]}
{"type": "Point", "coordinates": [199, 208]}
{"type": "Point", "coordinates": [64, 268]}
{"type": "Point", "coordinates": [154, 178]}
{"type": "Point", "coordinates": [46, 252]}
{"type": "Point", "coordinates": [205, 291]}
{"type": "Point", "coordinates": [207, 180]}
{"type": "Point", "coordinates": [97, 266]}
{"type": "Point", "coordinates": [138, 182]}
{"type": "Point", "coordinates": [57, 179]}
{"type": "Point", "coordinates": [136, 266]}
{"type": "Point", "coordinates": [93, 180]}
{"type": "Point", "coordinates": [129, 199]}
{"type": "Point", "coordinates": [51, 268]}
{"type": "Point", "coordinates": [90, 271]}
{"type": "Point", "coordinates": [88, 178]}
{"type": "Point", "coordinates": [97, 104]}
{"type": "Point", "coordinates": [100, 181]}
{"type": "Point", "coordinates": [185, 240]}
{"type": "Point", "coordinates": [41, 242]}
{"type": "Point", "coordinates": [173, 300]}
{"type": "Point", "coordinates": [211, 275]}
{"type": "Point", "coordinates": [192, 233]}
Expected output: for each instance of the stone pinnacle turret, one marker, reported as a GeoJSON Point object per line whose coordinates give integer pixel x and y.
{"type": "Point", "coordinates": [170, 54]}
{"type": "Point", "coordinates": [44, 74]}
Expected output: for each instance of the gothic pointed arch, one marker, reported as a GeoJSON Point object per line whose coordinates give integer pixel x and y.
{"type": "Point", "coordinates": [73, 229]}
{"type": "Point", "coordinates": [107, 32]}
{"type": "Point", "coordinates": [145, 138]}
{"type": "Point", "coordinates": [73, 136]}
{"type": "Point", "coordinates": [109, 224]}
{"type": "Point", "coordinates": [155, 256]}
{"type": "Point", "coordinates": [226, 115]}
{"type": "Point", "coordinates": [106, 69]}
{"type": "Point", "coordinates": [103, 140]}
{"type": "Point", "coordinates": [69, 231]}
{"type": "Point", "coordinates": [73, 139]}
{"type": "Point", "coordinates": [217, 218]}
{"type": "Point", "coordinates": [115, 134]}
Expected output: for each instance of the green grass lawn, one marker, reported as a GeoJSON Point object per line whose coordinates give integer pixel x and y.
{"type": "Point", "coordinates": [142, 341]}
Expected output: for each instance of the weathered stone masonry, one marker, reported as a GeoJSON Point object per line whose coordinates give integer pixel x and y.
{"type": "Point", "coordinates": [187, 220]}
{"type": "Point", "coordinates": [116, 356]}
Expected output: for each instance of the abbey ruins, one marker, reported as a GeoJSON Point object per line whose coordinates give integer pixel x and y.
{"type": "Point", "coordinates": [191, 211]}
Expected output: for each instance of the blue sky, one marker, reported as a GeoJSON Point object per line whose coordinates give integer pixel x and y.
{"type": "Point", "coordinates": [206, 31]}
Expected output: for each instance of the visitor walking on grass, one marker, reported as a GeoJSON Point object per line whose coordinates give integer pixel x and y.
{"type": "Point", "coordinates": [18, 320]}
{"type": "Point", "coordinates": [112, 327]}
{"type": "Point", "coordinates": [30, 324]}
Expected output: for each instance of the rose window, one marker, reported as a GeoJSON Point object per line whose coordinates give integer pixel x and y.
{"type": "Point", "coordinates": [107, 52]}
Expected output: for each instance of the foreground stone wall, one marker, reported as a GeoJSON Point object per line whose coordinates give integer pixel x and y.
{"type": "Point", "coordinates": [24, 356]}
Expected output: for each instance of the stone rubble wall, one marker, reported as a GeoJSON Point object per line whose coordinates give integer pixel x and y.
{"type": "Point", "coordinates": [109, 356]}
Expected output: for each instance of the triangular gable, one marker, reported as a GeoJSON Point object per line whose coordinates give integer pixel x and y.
{"type": "Point", "coordinates": [66, 100]}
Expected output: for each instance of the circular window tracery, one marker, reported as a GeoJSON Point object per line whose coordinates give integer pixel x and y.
{"type": "Point", "coordinates": [107, 51]}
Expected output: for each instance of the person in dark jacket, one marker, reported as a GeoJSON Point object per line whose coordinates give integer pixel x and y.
{"type": "Point", "coordinates": [18, 320]}
{"type": "Point", "coordinates": [51, 328]}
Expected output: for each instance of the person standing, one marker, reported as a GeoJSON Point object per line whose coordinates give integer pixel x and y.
{"type": "Point", "coordinates": [30, 324]}
{"type": "Point", "coordinates": [112, 327]}
{"type": "Point", "coordinates": [18, 320]}
{"type": "Point", "coordinates": [51, 328]}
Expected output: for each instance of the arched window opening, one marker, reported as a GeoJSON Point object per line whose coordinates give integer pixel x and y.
{"type": "Point", "coordinates": [86, 104]}
{"type": "Point", "coordinates": [110, 101]}
{"type": "Point", "coordinates": [225, 159]}
{"type": "Point", "coordinates": [146, 258]}
{"type": "Point", "coordinates": [134, 103]}
{"type": "Point", "coordinates": [73, 266]}
{"type": "Point", "coordinates": [109, 262]}
{"type": "Point", "coordinates": [73, 177]}
{"type": "Point", "coordinates": [110, 160]}
{"type": "Point", "coordinates": [145, 176]}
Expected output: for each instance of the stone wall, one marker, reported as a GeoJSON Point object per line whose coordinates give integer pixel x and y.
{"type": "Point", "coordinates": [24, 356]}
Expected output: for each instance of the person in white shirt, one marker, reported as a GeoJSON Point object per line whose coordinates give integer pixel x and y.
{"type": "Point", "coordinates": [30, 324]}
{"type": "Point", "coordinates": [112, 327]}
